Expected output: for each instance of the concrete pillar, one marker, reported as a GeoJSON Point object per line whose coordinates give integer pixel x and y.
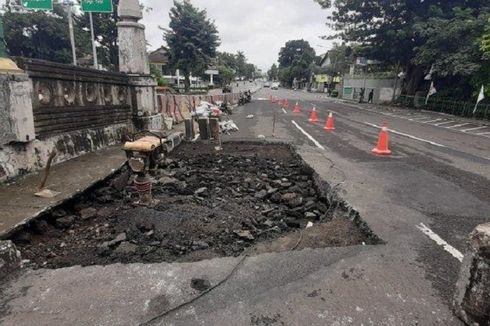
{"type": "Point", "coordinates": [133, 60]}
{"type": "Point", "coordinates": [16, 115]}
{"type": "Point", "coordinates": [472, 295]}
{"type": "Point", "coordinates": [204, 131]}
{"type": "Point", "coordinates": [189, 129]}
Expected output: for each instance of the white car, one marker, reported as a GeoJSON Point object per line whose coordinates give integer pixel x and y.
{"type": "Point", "coordinates": [275, 86]}
{"type": "Point", "coordinates": [267, 85]}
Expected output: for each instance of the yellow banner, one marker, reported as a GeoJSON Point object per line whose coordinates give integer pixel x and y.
{"type": "Point", "coordinates": [321, 78]}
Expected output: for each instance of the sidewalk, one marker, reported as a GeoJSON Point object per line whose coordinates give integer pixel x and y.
{"type": "Point", "coordinates": [19, 205]}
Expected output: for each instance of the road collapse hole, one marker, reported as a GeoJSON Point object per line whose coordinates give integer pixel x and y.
{"type": "Point", "coordinates": [249, 196]}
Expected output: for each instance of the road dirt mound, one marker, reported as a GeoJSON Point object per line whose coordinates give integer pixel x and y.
{"type": "Point", "coordinates": [211, 204]}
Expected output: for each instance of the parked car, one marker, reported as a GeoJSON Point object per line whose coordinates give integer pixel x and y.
{"type": "Point", "coordinates": [275, 86]}
{"type": "Point", "coordinates": [227, 89]}
{"type": "Point", "coordinates": [267, 85]}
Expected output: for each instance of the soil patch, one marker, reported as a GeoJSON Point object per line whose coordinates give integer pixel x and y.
{"type": "Point", "coordinates": [211, 204]}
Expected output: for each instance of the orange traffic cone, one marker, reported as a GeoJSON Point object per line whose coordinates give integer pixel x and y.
{"type": "Point", "coordinates": [329, 124]}
{"type": "Point", "coordinates": [382, 147]}
{"type": "Point", "coordinates": [297, 108]}
{"type": "Point", "coordinates": [313, 116]}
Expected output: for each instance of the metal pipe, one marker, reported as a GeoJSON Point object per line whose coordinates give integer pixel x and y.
{"type": "Point", "coordinates": [94, 49]}
{"type": "Point", "coordinates": [72, 35]}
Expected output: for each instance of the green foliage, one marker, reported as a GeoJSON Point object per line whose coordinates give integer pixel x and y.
{"type": "Point", "coordinates": [44, 35]}
{"type": "Point", "coordinates": [105, 30]}
{"type": "Point", "coordinates": [37, 34]}
{"type": "Point", "coordinates": [296, 53]}
{"type": "Point", "coordinates": [295, 59]}
{"type": "Point", "coordinates": [3, 48]}
{"type": "Point", "coordinates": [341, 56]}
{"type": "Point", "coordinates": [226, 75]}
{"type": "Point", "coordinates": [192, 39]}
{"type": "Point", "coordinates": [157, 74]}
{"type": "Point", "coordinates": [451, 42]}
{"type": "Point", "coordinates": [485, 41]}
{"type": "Point", "coordinates": [415, 35]}
{"type": "Point", "coordinates": [273, 73]}
{"type": "Point", "coordinates": [233, 65]}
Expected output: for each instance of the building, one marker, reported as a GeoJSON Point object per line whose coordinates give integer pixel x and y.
{"type": "Point", "coordinates": [159, 59]}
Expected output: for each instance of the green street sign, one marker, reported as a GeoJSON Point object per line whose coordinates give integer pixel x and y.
{"type": "Point", "coordinates": [97, 5]}
{"type": "Point", "coordinates": [38, 4]}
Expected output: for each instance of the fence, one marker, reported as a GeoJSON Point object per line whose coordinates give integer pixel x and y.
{"type": "Point", "coordinates": [458, 108]}
{"type": "Point", "coordinates": [180, 107]}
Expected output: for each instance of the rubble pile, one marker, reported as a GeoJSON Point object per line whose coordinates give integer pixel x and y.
{"type": "Point", "coordinates": [210, 205]}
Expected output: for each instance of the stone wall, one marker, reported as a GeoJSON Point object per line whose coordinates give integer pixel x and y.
{"type": "Point", "coordinates": [50, 106]}
{"type": "Point", "coordinates": [67, 98]}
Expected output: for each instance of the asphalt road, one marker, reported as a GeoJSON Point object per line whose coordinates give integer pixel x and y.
{"type": "Point", "coordinates": [435, 185]}
{"type": "Point", "coordinates": [434, 188]}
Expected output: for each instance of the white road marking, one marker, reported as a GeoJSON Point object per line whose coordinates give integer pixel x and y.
{"type": "Point", "coordinates": [437, 239]}
{"type": "Point", "coordinates": [431, 121]}
{"type": "Point", "coordinates": [418, 118]}
{"type": "Point", "coordinates": [406, 135]}
{"type": "Point", "coordinates": [457, 126]}
{"type": "Point", "coordinates": [483, 133]}
{"type": "Point", "coordinates": [285, 112]}
{"type": "Point", "coordinates": [471, 129]}
{"type": "Point", "coordinates": [444, 123]}
{"type": "Point", "coordinates": [317, 144]}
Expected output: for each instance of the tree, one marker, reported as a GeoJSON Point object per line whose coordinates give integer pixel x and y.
{"type": "Point", "coordinates": [485, 41]}
{"type": "Point", "coordinates": [37, 34]}
{"type": "Point", "coordinates": [295, 59]}
{"type": "Point", "coordinates": [42, 35]}
{"type": "Point", "coordinates": [192, 39]}
{"type": "Point", "coordinates": [404, 32]}
{"type": "Point", "coordinates": [241, 61]}
{"type": "Point", "coordinates": [226, 75]}
{"type": "Point", "coordinates": [273, 73]}
{"type": "Point", "coordinates": [341, 56]}
{"type": "Point", "coordinates": [105, 30]}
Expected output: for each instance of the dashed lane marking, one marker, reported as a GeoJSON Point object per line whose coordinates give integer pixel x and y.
{"type": "Point", "coordinates": [437, 239]}
{"type": "Point", "coordinates": [457, 126]}
{"type": "Point", "coordinates": [317, 144]}
{"type": "Point", "coordinates": [406, 135]}
{"type": "Point", "coordinates": [285, 112]}
{"type": "Point", "coordinates": [483, 133]}
{"type": "Point", "coordinates": [472, 129]}
{"type": "Point", "coordinates": [431, 121]}
{"type": "Point", "coordinates": [444, 123]}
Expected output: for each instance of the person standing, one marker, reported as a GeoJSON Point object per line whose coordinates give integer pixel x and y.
{"type": "Point", "coordinates": [370, 96]}
{"type": "Point", "coordinates": [361, 95]}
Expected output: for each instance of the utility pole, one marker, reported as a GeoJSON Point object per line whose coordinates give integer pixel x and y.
{"type": "Point", "coordinates": [94, 49]}
{"type": "Point", "coordinates": [72, 34]}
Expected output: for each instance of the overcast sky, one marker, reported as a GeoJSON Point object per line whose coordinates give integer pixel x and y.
{"type": "Point", "coordinates": [257, 27]}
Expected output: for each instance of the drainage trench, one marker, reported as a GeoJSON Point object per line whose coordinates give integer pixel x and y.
{"type": "Point", "coordinates": [249, 196]}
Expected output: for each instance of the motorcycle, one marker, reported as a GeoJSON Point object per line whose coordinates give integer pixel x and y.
{"type": "Point", "coordinates": [245, 98]}
{"type": "Point", "coordinates": [225, 108]}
